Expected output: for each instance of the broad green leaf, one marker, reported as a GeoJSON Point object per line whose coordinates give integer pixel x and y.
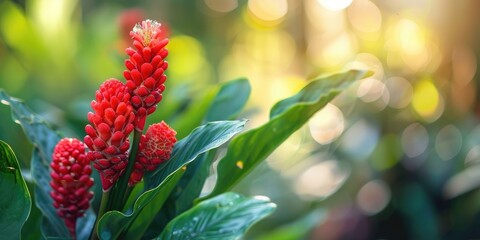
{"type": "Point", "coordinates": [115, 224]}
{"type": "Point", "coordinates": [229, 101]}
{"type": "Point", "coordinates": [227, 104]}
{"type": "Point", "coordinates": [194, 114]}
{"type": "Point", "coordinates": [202, 139]}
{"type": "Point", "coordinates": [159, 183]}
{"type": "Point", "coordinates": [182, 196]}
{"type": "Point", "coordinates": [227, 216]}
{"type": "Point", "coordinates": [298, 229]}
{"type": "Point", "coordinates": [191, 189]}
{"type": "Point", "coordinates": [15, 202]}
{"type": "Point", "coordinates": [34, 220]}
{"type": "Point", "coordinates": [250, 148]}
{"type": "Point", "coordinates": [44, 139]}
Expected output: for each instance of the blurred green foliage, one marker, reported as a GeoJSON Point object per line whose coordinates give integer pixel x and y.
{"type": "Point", "coordinates": [396, 157]}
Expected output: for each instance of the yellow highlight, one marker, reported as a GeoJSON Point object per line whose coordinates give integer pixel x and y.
{"type": "Point", "coordinates": [239, 164]}
{"type": "Point", "coordinates": [186, 58]}
{"type": "Point", "coordinates": [425, 99]}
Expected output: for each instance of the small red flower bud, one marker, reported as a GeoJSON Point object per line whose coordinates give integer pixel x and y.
{"type": "Point", "coordinates": [71, 181]}
{"type": "Point", "coordinates": [107, 134]}
{"type": "Point", "coordinates": [145, 69]}
{"type": "Point", "coordinates": [155, 148]}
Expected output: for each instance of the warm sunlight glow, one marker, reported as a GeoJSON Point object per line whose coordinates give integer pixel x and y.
{"type": "Point", "coordinates": [186, 57]}
{"type": "Point", "coordinates": [321, 180]}
{"type": "Point", "coordinates": [335, 5]}
{"type": "Point", "coordinates": [268, 10]}
{"type": "Point", "coordinates": [401, 92]}
{"type": "Point", "coordinates": [426, 100]}
{"type": "Point", "coordinates": [327, 124]}
{"type": "Point", "coordinates": [365, 16]}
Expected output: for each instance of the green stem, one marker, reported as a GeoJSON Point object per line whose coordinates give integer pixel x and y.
{"type": "Point", "coordinates": [127, 194]}
{"type": "Point", "coordinates": [122, 184]}
{"type": "Point", "coordinates": [101, 211]}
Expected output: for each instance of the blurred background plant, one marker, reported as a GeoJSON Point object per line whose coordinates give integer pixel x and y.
{"type": "Point", "coordinates": [395, 157]}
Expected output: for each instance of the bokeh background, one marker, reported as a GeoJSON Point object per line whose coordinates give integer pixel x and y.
{"type": "Point", "coordinates": [395, 157]}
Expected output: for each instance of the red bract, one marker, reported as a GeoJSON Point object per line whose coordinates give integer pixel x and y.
{"type": "Point", "coordinates": [71, 181]}
{"type": "Point", "coordinates": [107, 134]}
{"type": "Point", "coordinates": [145, 69]}
{"type": "Point", "coordinates": [155, 148]}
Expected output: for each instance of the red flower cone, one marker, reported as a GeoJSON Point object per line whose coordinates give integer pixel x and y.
{"type": "Point", "coordinates": [71, 181]}
{"type": "Point", "coordinates": [155, 148]}
{"type": "Point", "coordinates": [145, 69]}
{"type": "Point", "coordinates": [107, 134]}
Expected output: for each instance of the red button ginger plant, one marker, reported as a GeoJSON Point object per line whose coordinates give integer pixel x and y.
{"type": "Point", "coordinates": [150, 185]}
{"type": "Point", "coordinates": [71, 181]}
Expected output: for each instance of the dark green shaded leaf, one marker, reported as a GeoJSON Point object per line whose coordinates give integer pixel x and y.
{"type": "Point", "coordinates": [227, 216]}
{"type": "Point", "coordinates": [44, 139]}
{"type": "Point", "coordinates": [194, 114]}
{"type": "Point", "coordinates": [159, 184]}
{"type": "Point", "coordinates": [250, 148]}
{"type": "Point", "coordinates": [229, 101]}
{"type": "Point", "coordinates": [227, 104]}
{"type": "Point", "coordinates": [115, 224]}
{"type": "Point", "coordinates": [15, 202]}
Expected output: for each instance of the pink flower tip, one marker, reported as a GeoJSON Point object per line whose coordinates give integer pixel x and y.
{"type": "Point", "coordinates": [146, 31]}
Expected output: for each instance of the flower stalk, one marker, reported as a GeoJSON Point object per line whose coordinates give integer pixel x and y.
{"type": "Point", "coordinates": [119, 191]}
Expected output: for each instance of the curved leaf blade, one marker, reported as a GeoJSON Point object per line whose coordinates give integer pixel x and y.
{"type": "Point", "coordinates": [229, 101]}
{"type": "Point", "coordinates": [115, 224]}
{"type": "Point", "coordinates": [227, 216]}
{"type": "Point", "coordinates": [44, 139]}
{"type": "Point", "coordinates": [227, 104]}
{"type": "Point", "coordinates": [15, 201]}
{"type": "Point", "coordinates": [159, 183]}
{"type": "Point", "coordinates": [287, 116]}
{"type": "Point", "coordinates": [202, 139]}
{"type": "Point", "coordinates": [298, 229]}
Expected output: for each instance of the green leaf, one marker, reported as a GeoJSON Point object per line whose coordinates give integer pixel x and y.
{"type": "Point", "coordinates": [15, 202]}
{"type": "Point", "coordinates": [227, 216]}
{"type": "Point", "coordinates": [115, 224]}
{"type": "Point", "coordinates": [227, 104]}
{"type": "Point", "coordinates": [194, 114]}
{"type": "Point", "coordinates": [250, 148]}
{"type": "Point", "coordinates": [229, 101]}
{"type": "Point", "coordinates": [298, 229]}
{"type": "Point", "coordinates": [192, 186]}
{"type": "Point", "coordinates": [44, 139]}
{"type": "Point", "coordinates": [159, 183]}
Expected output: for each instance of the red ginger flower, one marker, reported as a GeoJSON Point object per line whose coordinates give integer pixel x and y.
{"type": "Point", "coordinates": [155, 148]}
{"type": "Point", "coordinates": [145, 69]}
{"type": "Point", "coordinates": [107, 136]}
{"type": "Point", "coordinates": [71, 181]}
